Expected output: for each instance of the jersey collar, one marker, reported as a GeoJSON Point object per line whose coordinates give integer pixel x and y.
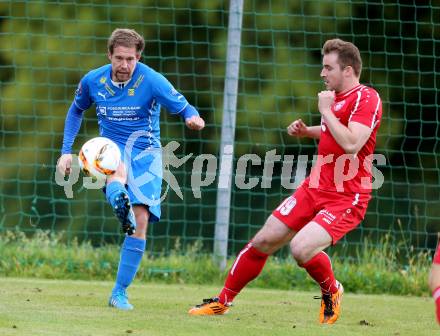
{"type": "Point", "coordinates": [349, 92]}
{"type": "Point", "coordinates": [122, 85]}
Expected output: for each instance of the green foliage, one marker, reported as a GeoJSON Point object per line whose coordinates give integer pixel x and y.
{"type": "Point", "coordinates": [45, 255]}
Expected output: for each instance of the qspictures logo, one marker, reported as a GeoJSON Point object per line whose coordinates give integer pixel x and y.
{"type": "Point", "coordinates": [159, 162]}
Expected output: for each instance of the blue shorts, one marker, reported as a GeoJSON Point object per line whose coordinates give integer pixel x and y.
{"type": "Point", "coordinates": [144, 179]}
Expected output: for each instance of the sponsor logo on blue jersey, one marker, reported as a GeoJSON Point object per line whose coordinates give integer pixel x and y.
{"type": "Point", "coordinates": [102, 110]}
{"type": "Point", "coordinates": [122, 111]}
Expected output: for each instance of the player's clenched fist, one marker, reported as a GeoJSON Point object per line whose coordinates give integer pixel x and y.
{"type": "Point", "coordinates": [325, 101]}
{"type": "Point", "coordinates": [297, 128]}
{"type": "Point", "coordinates": [195, 123]}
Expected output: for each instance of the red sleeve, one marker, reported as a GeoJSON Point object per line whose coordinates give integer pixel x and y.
{"type": "Point", "coordinates": [367, 109]}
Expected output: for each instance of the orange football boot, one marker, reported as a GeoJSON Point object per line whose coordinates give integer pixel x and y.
{"type": "Point", "coordinates": [210, 307]}
{"type": "Point", "coordinates": [331, 306]}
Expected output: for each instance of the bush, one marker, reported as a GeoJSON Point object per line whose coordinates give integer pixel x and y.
{"type": "Point", "coordinates": [46, 255]}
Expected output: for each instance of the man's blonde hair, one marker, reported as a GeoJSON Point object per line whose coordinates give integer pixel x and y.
{"type": "Point", "coordinates": [348, 54]}
{"type": "Point", "coordinates": [128, 38]}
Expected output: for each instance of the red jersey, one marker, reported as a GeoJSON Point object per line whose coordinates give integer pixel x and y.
{"type": "Point", "coordinates": [351, 173]}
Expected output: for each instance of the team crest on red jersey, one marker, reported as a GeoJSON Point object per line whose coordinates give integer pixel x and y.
{"type": "Point", "coordinates": [339, 105]}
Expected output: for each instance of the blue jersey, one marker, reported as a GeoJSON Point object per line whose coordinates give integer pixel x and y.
{"type": "Point", "coordinates": [134, 107]}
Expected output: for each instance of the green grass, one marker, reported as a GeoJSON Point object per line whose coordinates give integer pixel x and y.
{"type": "Point", "coordinates": [73, 307]}
{"type": "Point", "coordinates": [375, 270]}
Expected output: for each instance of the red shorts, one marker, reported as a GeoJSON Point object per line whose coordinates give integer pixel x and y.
{"type": "Point", "coordinates": [337, 213]}
{"type": "Point", "coordinates": [437, 254]}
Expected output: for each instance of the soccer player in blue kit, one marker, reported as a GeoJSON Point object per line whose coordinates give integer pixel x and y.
{"type": "Point", "coordinates": [128, 96]}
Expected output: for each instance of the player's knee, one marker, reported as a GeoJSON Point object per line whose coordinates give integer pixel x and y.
{"type": "Point", "coordinates": [272, 236]}
{"type": "Point", "coordinates": [119, 175]}
{"type": "Point", "coordinates": [431, 281]}
{"type": "Point", "coordinates": [299, 251]}
{"type": "Point", "coordinates": [434, 278]}
{"type": "Point", "coordinates": [263, 244]}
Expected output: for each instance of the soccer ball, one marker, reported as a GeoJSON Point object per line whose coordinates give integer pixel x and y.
{"type": "Point", "coordinates": [99, 157]}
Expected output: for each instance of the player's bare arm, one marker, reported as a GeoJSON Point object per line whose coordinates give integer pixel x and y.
{"type": "Point", "coordinates": [351, 138]}
{"type": "Point", "coordinates": [299, 129]}
{"type": "Point", "coordinates": [195, 123]}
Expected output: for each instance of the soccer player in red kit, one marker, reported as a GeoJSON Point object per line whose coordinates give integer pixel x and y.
{"type": "Point", "coordinates": [332, 200]}
{"type": "Point", "coordinates": [434, 281]}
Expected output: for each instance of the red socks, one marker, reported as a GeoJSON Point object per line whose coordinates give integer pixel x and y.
{"type": "Point", "coordinates": [320, 269]}
{"type": "Point", "coordinates": [247, 267]}
{"type": "Point", "coordinates": [436, 296]}
{"type": "Point", "coordinates": [250, 262]}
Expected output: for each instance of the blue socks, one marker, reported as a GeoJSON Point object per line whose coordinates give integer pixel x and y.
{"type": "Point", "coordinates": [132, 249]}
{"type": "Point", "coordinates": [131, 256]}
{"type": "Point", "coordinates": [112, 190]}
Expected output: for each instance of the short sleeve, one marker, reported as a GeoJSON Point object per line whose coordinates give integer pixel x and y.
{"type": "Point", "coordinates": [367, 109]}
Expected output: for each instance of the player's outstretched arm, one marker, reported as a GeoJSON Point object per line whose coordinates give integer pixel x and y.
{"type": "Point", "coordinates": [71, 127]}
{"type": "Point", "coordinates": [299, 129]}
{"type": "Point", "coordinates": [192, 118]}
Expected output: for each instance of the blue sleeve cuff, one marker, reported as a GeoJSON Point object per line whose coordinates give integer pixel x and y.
{"type": "Point", "coordinates": [188, 112]}
{"type": "Point", "coordinates": [71, 128]}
